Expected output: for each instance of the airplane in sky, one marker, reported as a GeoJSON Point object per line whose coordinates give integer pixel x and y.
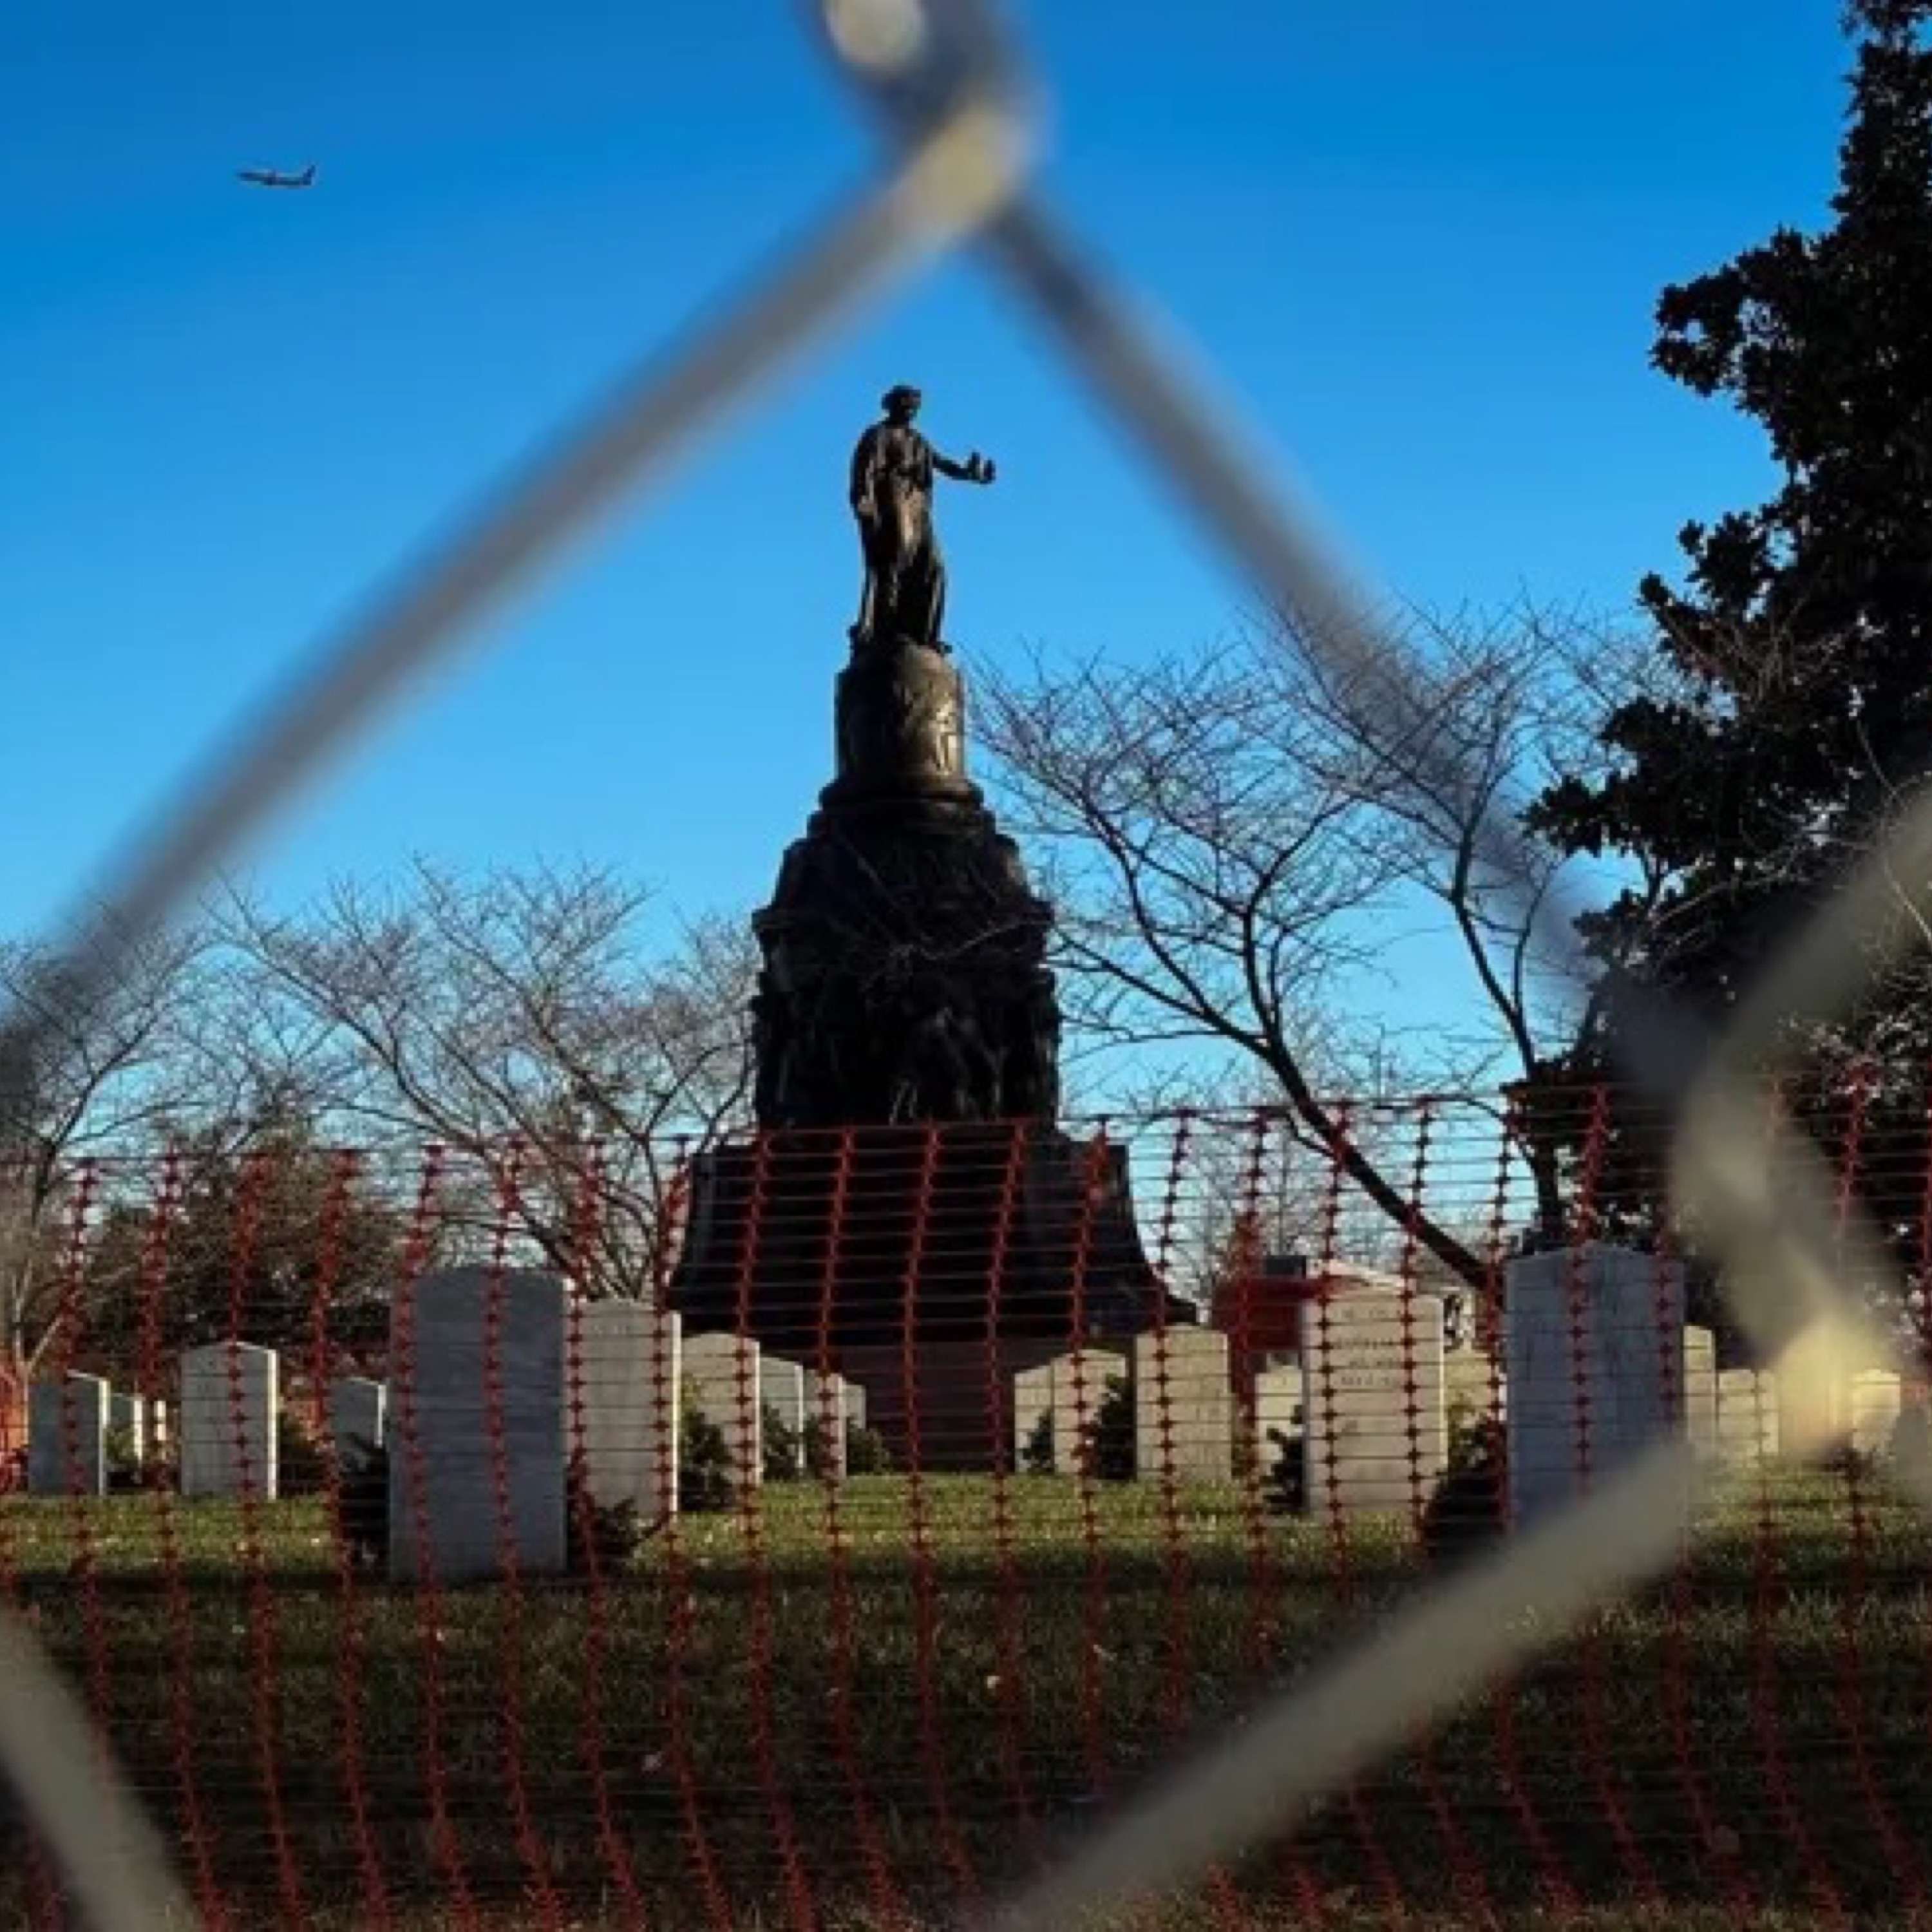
{"type": "Point", "coordinates": [270, 178]}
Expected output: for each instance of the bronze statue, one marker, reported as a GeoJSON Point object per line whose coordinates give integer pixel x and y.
{"type": "Point", "coordinates": [904, 597]}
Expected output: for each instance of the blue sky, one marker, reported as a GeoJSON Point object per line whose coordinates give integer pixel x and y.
{"type": "Point", "coordinates": [1421, 242]}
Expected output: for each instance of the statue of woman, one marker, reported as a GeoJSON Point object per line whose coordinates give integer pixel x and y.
{"type": "Point", "coordinates": [892, 496]}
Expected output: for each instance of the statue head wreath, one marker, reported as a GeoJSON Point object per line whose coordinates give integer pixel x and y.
{"type": "Point", "coordinates": [898, 394]}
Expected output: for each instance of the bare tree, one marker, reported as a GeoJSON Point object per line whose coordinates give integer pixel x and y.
{"type": "Point", "coordinates": [519, 1020]}
{"type": "Point", "coordinates": [1233, 836]}
{"type": "Point", "coordinates": [136, 1060]}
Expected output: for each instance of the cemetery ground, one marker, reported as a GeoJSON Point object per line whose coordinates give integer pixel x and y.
{"type": "Point", "coordinates": [894, 1715]}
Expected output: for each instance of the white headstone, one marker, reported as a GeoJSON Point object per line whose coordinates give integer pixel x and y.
{"type": "Point", "coordinates": [1700, 1390]}
{"type": "Point", "coordinates": [722, 1378]}
{"type": "Point", "coordinates": [158, 1424]}
{"type": "Point", "coordinates": [1596, 1363]}
{"type": "Point", "coordinates": [1876, 1399]}
{"type": "Point", "coordinates": [359, 1411]}
{"type": "Point", "coordinates": [828, 1402]}
{"type": "Point", "coordinates": [855, 1405]}
{"type": "Point", "coordinates": [624, 1398]}
{"type": "Point", "coordinates": [1377, 1431]}
{"type": "Point", "coordinates": [781, 1390]}
{"type": "Point", "coordinates": [131, 1412]}
{"type": "Point", "coordinates": [1748, 1415]}
{"type": "Point", "coordinates": [476, 1425]}
{"type": "Point", "coordinates": [230, 1400]}
{"type": "Point", "coordinates": [1183, 1406]}
{"type": "Point", "coordinates": [66, 1437]}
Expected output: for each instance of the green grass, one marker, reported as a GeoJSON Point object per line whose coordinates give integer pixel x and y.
{"type": "Point", "coordinates": [752, 1703]}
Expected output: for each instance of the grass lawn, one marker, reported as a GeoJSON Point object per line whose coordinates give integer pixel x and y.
{"type": "Point", "coordinates": [756, 1724]}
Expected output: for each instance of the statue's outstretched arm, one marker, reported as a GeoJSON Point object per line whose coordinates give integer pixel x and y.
{"type": "Point", "coordinates": [975, 470]}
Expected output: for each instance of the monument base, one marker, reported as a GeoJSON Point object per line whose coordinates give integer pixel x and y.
{"type": "Point", "coordinates": [929, 1267]}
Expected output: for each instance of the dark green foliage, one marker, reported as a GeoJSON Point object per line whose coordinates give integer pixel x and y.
{"type": "Point", "coordinates": [1107, 1442]}
{"type": "Point", "coordinates": [866, 1454]}
{"type": "Point", "coordinates": [817, 1442]}
{"type": "Point", "coordinates": [1037, 1456]}
{"type": "Point", "coordinates": [1793, 713]}
{"type": "Point", "coordinates": [1468, 1509]}
{"type": "Point", "coordinates": [365, 1502]}
{"type": "Point", "coordinates": [704, 1472]}
{"type": "Point", "coordinates": [611, 1533]}
{"type": "Point", "coordinates": [782, 1448]}
{"type": "Point", "coordinates": [261, 1192]}
{"type": "Point", "coordinates": [124, 1467]}
{"type": "Point", "coordinates": [300, 1469]}
{"type": "Point", "coordinates": [1287, 1490]}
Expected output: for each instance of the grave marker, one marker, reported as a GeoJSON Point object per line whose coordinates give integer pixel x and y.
{"type": "Point", "coordinates": [476, 1425]}
{"type": "Point", "coordinates": [230, 1401]}
{"type": "Point", "coordinates": [625, 1390]}
{"type": "Point", "coordinates": [1183, 1406]}
{"type": "Point", "coordinates": [721, 1376]}
{"type": "Point", "coordinates": [1597, 1368]}
{"type": "Point", "coordinates": [66, 1437]}
{"type": "Point", "coordinates": [1377, 1434]}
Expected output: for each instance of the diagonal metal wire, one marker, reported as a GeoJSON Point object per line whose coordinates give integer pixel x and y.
{"type": "Point", "coordinates": [949, 87]}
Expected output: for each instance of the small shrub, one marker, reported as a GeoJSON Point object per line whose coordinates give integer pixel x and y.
{"type": "Point", "coordinates": [301, 1469]}
{"type": "Point", "coordinates": [705, 1477]}
{"type": "Point", "coordinates": [866, 1454]}
{"type": "Point", "coordinates": [1287, 1487]}
{"type": "Point", "coordinates": [1037, 1456]}
{"type": "Point", "coordinates": [123, 1466]}
{"type": "Point", "coordinates": [1468, 1509]}
{"type": "Point", "coordinates": [612, 1532]}
{"type": "Point", "coordinates": [365, 1501]}
{"type": "Point", "coordinates": [781, 1447]}
{"type": "Point", "coordinates": [1107, 1443]}
{"type": "Point", "coordinates": [819, 1462]}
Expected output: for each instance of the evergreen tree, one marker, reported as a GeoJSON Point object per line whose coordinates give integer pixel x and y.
{"type": "Point", "coordinates": [1796, 713]}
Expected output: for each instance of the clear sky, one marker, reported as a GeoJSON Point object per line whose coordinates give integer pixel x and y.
{"type": "Point", "coordinates": [1421, 240]}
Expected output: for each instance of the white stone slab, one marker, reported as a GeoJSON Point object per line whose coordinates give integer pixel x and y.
{"type": "Point", "coordinates": [66, 1437]}
{"type": "Point", "coordinates": [476, 1426]}
{"type": "Point", "coordinates": [1183, 1406]}
{"type": "Point", "coordinates": [1377, 1433]}
{"type": "Point", "coordinates": [782, 1389]}
{"type": "Point", "coordinates": [1595, 1348]}
{"type": "Point", "coordinates": [624, 1386]}
{"type": "Point", "coordinates": [721, 1380]}
{"type": "Point", "coordinates": [358, 1411]}
{"type": "Point", "coordinates": [230, 1401]}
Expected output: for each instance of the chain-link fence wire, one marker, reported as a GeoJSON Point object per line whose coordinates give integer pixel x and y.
{"type": "Point", "coordinates": [948, 86]}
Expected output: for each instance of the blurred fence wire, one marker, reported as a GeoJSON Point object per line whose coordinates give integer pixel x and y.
{"type": "Point", "coordinates": [952, 94]}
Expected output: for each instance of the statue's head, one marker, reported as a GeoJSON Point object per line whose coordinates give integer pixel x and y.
{"type": "Point", "coordinates": [901, 402]}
